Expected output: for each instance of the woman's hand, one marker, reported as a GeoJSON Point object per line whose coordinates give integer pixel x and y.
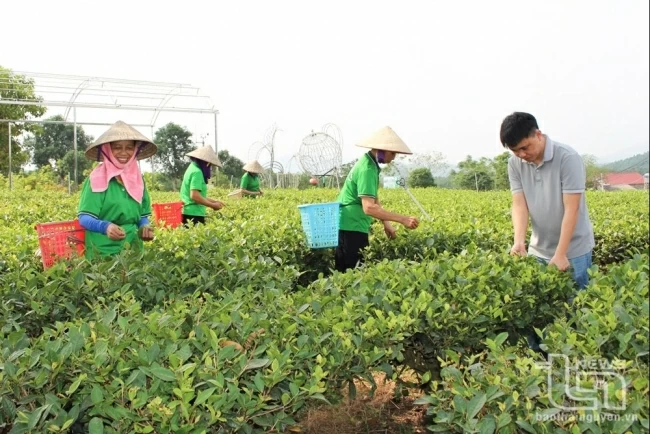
{"type": "Point", "coordinates": [390, 230]}
{"type": "Point", "coordinates": [146, 233]}
{"type": "Point", "coordinates": [216, 205]}
{"type": "Point", "coordinates": [115, 233]}
{"type": "Point", "coordinates": [410, 222]}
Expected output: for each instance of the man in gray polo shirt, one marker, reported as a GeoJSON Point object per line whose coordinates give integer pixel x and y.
{"type": "Point", "coordinates": [547, 180]}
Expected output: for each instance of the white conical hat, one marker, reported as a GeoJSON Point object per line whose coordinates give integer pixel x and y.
{"type": "Point", "coordinates": [207, 154]}
{"type": "Point", "coordinates": [122, 131]}
{"type": "Point", "coordinates": [253, 167]}
{"type": "Point", "coordinates": [385, 140]}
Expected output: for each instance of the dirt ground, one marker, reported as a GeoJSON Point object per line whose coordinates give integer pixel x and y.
{"type": "Point", "coordinates": [379, 414]}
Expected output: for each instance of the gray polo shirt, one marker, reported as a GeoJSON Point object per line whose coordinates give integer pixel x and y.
{"type": "Point", "coordinates": [562, 171]}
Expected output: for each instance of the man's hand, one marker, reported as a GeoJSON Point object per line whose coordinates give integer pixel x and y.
{"type": "Point", "coordinates": [410, 222]}
{"type": "Point", "coordinates": [518, 249]}
{"type": "Point", "coordinates": [560, 261]}
{"type": "Point", "coordinates": [115, 233]}
{"type": "Point", "coordinates": [216, 205]}
{"type": "Point", "coordinates": [390, 231]}
{"type": "Point", "coordinates": [146, 233]}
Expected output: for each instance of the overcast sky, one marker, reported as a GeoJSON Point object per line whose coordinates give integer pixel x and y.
{"type": "Point", "coordinates": [442, 74]}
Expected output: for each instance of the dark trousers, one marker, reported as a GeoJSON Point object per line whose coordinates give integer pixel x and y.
{"type": "Point", "coordinates": [348, 253]}
{"type": "Point", "coordinates": [193, 218]}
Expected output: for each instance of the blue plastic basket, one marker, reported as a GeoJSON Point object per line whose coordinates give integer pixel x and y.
{"type": "Point", "coordinates": [321, 224]}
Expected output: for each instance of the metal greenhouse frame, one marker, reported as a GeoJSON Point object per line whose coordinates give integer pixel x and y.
{"type": "Point", "coordinates": [99, 93]}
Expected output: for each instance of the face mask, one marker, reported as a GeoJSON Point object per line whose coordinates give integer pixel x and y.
{"type": "Point", "coordinates": [381, 155]}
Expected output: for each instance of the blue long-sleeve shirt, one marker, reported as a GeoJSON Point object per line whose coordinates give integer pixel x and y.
{"type": "Point", "coordinates": [93, 224]}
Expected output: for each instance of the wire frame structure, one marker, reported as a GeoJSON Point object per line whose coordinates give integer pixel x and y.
{"type": "Point", "coordinates": [82, 96]}
{"type": "Point", "coordinates": [284, 177]}
{"type": "Point", "coordinates": [264, 152]}
{"type": "Point", "coordinates": [320, 153]}
{"type": "Point", "coordinates": [293, 163]}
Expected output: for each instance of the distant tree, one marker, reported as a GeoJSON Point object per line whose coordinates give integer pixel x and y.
{"type": "Point", "coordinates": [500, 168]}
{"type": "Point", "coordinates": [54, 141]}
{"type": "Point", "coordinates": [474, 175]}
{"type": "Point", "coordinates": [343, 173]}
{"type": "Point", "coordinates": [16, 86]}
{"type": "Point", "coordinates": [232, 166]}
{"type": "Point", "coordinates": [594, 172]}
{"type": "Point", "coordinates": [173, 142]}
{"type": "Point", "coordinates": [421, 177]}
{"type": "Point", "coordinates": [65, 166]}
{"type": "Point", "coordinates": [637, 163]}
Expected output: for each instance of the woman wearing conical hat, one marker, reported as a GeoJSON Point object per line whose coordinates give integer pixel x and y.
{"type": "Point", "coordinates": [250, 182]}
{"type": "Point", "coordinates": [360, 202]}
{"type": "Point", "coordinates": [115, 206]}
{"type": "Point", "coordinates": [194, 189]}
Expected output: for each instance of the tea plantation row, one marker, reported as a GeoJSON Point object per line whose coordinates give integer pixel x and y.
{"type": "Point", "coordinates": [236, 326]}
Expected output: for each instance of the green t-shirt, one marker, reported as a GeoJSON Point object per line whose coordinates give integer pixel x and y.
{"type": "Point", "coordinates": [116, 206]}
{"type": "Point", "coordinates": [250, 183]}
{"type": "Point", "coordinates": [363, 180]}
{"type": "Point", "coordinates": [193, 180]}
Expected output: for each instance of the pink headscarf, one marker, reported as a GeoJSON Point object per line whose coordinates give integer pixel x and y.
{"type": "Point", "coordinates": [111, 167]}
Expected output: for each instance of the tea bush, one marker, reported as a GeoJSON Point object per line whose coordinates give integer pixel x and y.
{"type": "Point", "coordinates": [237, 326]}
{"type": "Point", "coordinates": [501, 391]}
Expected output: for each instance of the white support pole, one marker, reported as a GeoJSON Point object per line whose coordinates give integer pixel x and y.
{"type": "Point", "coordinates": [216, 142]}
{"type": "Point", "coordinates": [153, 169]}
{"type": "Point", "coordinates": [74, 118]}
{"type": "Point", "coordinates": [10, 177]}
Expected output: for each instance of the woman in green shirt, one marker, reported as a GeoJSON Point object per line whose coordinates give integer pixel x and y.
{"type": "Point", "coordinates": [194, 189]}
{"type": "Point", "coordinates": [115, 206]}
{"type": "Point", "coordinates": [359, 199]}
{"type": "Point", "coordinates": [250, 182]}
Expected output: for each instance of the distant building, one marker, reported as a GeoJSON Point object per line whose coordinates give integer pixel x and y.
{"type": "Point", "coordinates": [625, 181]}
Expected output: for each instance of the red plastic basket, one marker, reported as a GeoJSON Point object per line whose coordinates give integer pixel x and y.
{"type": "Point", "coordinates": [168, 214]}
{"type": "Point", "coordinates": [60, 240]}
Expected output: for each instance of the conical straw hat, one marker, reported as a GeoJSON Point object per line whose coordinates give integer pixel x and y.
{"type": "Point", "coordinates": [253, 167]}
{"type": "Point", "coordinates": [207, 154]}
{"type": "Point", "coordinates": [386, 140]}
{"type": "Point", "coordinates": [122, 131]}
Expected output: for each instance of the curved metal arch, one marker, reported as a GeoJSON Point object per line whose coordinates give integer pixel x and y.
{"type": "Point", "coordinates": [294, 159]}
{"type": "Point", "coordinates": [75, 95]}
{"type": "Point", "coordinates": [334, 131]}
{"type": "Point", "coordinates": [163, 103]}
{"type": "Point", "coordinates": [256, 149]}
{"type": "Point", "coordinates": [156, 111]}
{"type": "Point", "coordinates": [276, 166]}
{"type": "Point", "coordinates": [259, 153]}
{"type": "Point", "coordinates": [269, 136]}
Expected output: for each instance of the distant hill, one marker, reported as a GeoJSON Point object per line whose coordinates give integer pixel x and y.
{"type": "Point", "coordinates": [638, 163]}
